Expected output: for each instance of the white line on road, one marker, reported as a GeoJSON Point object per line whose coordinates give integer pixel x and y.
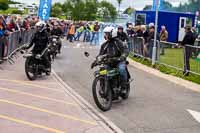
{"type": "Point", "coordinates": [195, 115]}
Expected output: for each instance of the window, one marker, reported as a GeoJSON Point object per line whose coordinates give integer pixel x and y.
{"type": "Point", "coordinates": [140, 19]}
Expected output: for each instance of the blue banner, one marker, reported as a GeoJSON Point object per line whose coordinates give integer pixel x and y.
{"type": "Point", "coordinates": [154, 5]}
{"type": "Point", "coordinates": [161, 5]}
{"type": "Point", "coordinates": [44, 9]}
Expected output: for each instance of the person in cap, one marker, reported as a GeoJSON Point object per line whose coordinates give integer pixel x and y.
{"type": "Point", "coordinates": [188, 39]}
{"type": "Point", "coordinates": [121, 34]}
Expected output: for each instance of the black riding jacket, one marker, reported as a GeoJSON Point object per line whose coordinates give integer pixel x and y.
{"type": "Point", "coordinates": [40, 41]}
{"type": "Point", "coordinates": [114, 48]}
{"type": "Point", "coordinates": [57, 32]}
{"type": "Point", "coordinates": [122, 36]}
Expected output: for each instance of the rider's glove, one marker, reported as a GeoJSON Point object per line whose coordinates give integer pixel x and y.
{"type": "Point", "coordinates": [122, 58]}
{"type": "Point", "coordinates": [93, 64]}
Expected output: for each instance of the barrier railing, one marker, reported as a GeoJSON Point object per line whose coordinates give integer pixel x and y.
{"type": "Point", "coordinates": [171, 55]}
{"type": "Point", "coordinates": [186, 59]}
{"type": "Point", "coordinates": [192, 59]}
{"type": "Point", "coordinates": [139, 48]}
{"type": "Point", "coordinates": [13, 41]}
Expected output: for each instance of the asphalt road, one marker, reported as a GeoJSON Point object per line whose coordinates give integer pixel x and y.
{"type": "Point", "coordinates": [155, 105]}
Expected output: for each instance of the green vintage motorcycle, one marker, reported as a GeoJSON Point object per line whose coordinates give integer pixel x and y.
{"type": "Point", "coordinates": [107, 83]}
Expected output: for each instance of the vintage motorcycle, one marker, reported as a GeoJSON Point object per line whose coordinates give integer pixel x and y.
{"type": "Point", "coordinates": [107, 83]}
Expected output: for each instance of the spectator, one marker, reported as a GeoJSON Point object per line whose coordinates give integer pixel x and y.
{"type": "Point", "coordinates": [95, 34]}
{"type": "Point", "coordinates": [130, 30]}
{"type": "Point", "coordinates": [188, 39]}
{"type": "Point", "coordinates": [26, 24]}
{"type": "Point", "coordinates": [145, 36]}
{"type": "Point", "coordinates": [2, 29]}
{"type": "Point", "coordinates": [150, 39]}
{"type": "Point", "coordinates": [138, 31]}
{"type": "Point", "coordinates": [163, 34]}
{"type": "Point", "coordinates": [79, 33]}
{"type": "Point", "coordinates": [71, 32]}
{"type": "Point", "coordinates": [11, 26]}
{"type": "Point", "coordinates": [163, 37]}
{"type": "Point", "coordinates": [121, 34]}
{"type": "Point", "coordinates": [87, 30]}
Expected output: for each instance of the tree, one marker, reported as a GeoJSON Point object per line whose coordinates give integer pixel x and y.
{"type": "Point", "coordinates": [17, 12]}
{"type": "Point", "coordinates": [129, 11]}
{"type": "Point", "coordinates": [13, 2]}
{"type": "Point", "coordinates": [119, 4]}
{"type": "Point", "coordinates": [147, 7]}
{"type": "Point", "coordinates": [107, 10]}
{"type": "Point", "coordinates": [83, 9]}
{"type": "Point", "coordinates": [167, 5]}
{"type": "Point", "coordinates": [56, 10]}
{"type": "Point", "coordinates": [4, 4]}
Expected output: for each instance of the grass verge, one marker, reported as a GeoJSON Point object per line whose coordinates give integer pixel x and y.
{"type": "Point", "coordinates": [167, 70]}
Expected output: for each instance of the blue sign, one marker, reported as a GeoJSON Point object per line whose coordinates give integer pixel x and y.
{"type": "Point", "coordinates": [154, 5]}
{"type": "Point", "coordinates": [44, 9]}
{"type": "Point", "coordinates": [160, 6]}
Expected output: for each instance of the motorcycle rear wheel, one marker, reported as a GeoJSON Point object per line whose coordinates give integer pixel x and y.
{"type": "Point", "coordinates": [127, 92]}
{"type": "Point", "coordinates": [30, 73]}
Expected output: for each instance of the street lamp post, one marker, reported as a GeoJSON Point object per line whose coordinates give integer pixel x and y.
{"type": "Point", "coordinates": [155, 35]}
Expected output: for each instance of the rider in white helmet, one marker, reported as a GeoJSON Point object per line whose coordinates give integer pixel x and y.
{"type": "Point", "coordinates": [114, 47]}
{"type": "Point", "coordinates": [40, 41]}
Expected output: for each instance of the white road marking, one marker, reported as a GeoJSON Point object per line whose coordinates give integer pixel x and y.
{"type": "Point", "coordinates": [195, 115]}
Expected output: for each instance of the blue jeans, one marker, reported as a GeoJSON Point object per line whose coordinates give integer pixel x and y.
{"type": "Point", "coordinates": [78, 36]}
{"type": "Point", "coordinates": [86, 37]}
{"type": "Point", "coordinates": [122, 71]}
{"type": "Point", "coordinates": [95, 38]}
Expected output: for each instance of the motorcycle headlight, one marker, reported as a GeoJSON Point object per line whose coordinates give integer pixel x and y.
{"type": "Point", "coordinates": [54, 40]}
{"type": "Point", "coordinates": [37, 56]}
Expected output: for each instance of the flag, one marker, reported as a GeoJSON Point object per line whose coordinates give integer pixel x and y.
{"type": "Point", "coordinates": [44, 9]}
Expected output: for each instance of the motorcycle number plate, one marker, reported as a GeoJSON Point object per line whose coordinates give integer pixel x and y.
{"type": "Point", "coordinates": [103, 72]}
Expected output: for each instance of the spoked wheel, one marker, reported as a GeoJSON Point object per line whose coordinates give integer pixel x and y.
{"type": "Point", "coordinates": [102, 95]}
{"type": "Point", "coordinates": [29, 69]}
{"type": "Point", "coordinates": [126, 92]}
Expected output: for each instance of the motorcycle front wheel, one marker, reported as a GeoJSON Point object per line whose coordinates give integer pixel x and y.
{"type": "Point", "coordinates": [102, 95]}
{"type": "Point", "coordinates": [29, 69]}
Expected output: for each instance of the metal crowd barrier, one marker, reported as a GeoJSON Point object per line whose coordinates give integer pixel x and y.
{"type": "Point", "coordinates": [192, 59]}
{"type": "Point", "coordinates": [141, 49]}
{"type": "Point", "coordinates": [14, 41]}
{"type": "Point", "coordinates": [171, 55]}
{"type": "Point", "coordinates": [186, 59]}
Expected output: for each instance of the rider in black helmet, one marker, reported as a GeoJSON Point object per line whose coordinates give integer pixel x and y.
{"type": "Point", "coordinates": [121, 34]}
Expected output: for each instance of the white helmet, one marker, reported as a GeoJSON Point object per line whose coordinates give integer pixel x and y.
{"type": "Point", "coordinates": [40, 25]}
{"type": "Point", "coordinates": [111, 30]}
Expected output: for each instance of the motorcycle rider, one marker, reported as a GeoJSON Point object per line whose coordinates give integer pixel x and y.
{"type": "Point", "coordinates": [115, 48]}
{"type": "Point", "coordinates": [121, 34]}
{"type": "Point", "coordinates": [40, 41]}
{"type": "Point", "coordinates": [57, 32]}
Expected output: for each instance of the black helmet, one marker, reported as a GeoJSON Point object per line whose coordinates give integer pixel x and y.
{"type": "Point", "coordinates": [120, 27]}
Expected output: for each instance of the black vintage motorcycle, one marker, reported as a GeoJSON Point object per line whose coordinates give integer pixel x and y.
{"type": "Point", "coordinates": [107, 83]}
{"type": "Point", "coordinates": [53, 47]}
{"type": "Point", "coordinates": [34, 64]}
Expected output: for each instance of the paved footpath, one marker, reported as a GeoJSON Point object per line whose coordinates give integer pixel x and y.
{"type": "Point", "coordinates": [41, 106]}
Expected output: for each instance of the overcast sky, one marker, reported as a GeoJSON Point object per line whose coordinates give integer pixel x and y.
{"type": "Point", "coordinates": [137, 4]}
